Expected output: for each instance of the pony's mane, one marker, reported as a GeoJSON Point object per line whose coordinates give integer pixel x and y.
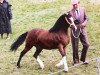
{"type": "Point", "coordinates": [60, 24]}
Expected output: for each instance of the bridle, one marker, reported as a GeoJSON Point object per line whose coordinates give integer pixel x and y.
{"type": "Point", "coordinates": [71, 24]}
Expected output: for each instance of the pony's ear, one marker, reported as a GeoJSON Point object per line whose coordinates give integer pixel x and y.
{"type": "Point", "coordinates": [68, 14]}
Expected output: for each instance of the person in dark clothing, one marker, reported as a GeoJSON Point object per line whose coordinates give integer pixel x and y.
{"type": "Point", "coordinates": [5, 17]}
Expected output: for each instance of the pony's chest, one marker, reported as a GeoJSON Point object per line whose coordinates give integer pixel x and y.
{"type": "Point", "coordinates": [65, 39]}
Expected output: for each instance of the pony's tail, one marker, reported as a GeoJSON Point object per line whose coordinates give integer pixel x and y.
{"type": "Point", "coordinates": [18, 42]}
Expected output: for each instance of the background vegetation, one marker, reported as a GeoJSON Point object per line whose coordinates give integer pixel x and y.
{"type": "Point", "coordinates": [28, 15]}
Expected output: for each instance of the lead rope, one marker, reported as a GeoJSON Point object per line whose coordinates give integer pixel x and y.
{"type": "Point", "coordinates": [74, 34]}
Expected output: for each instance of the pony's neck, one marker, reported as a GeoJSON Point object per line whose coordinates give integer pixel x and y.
{"type": "Point", "coordinates": [60, 26]}
{"type": "Point", "coordinates": [60, 31]}
{"type": "Point", "coordinates": [64, 30]}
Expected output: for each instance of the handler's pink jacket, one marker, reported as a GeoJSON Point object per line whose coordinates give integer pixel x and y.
{"type": "Point", "coordinates": [83, 17]}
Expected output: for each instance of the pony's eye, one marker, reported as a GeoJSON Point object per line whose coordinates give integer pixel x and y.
{"type": "Point", "coordinates": [70, 20]}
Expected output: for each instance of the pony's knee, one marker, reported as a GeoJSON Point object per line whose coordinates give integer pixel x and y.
{"type": "Point", "coordinates": [63, 54]}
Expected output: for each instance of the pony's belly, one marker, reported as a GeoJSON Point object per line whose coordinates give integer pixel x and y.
{"type": "Point", "coordinates": [47, 45]}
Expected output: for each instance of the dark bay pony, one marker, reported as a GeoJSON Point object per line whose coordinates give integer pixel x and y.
{"type": "Point", "coordinates": [55, 38]}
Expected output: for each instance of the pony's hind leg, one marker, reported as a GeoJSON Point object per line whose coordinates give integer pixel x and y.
{"type": "Point", "coordinates": [37, 52]}
{"type": "Point", "coordinates": [26, 49]}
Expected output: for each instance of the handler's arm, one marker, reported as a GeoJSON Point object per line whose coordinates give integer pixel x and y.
{"type": "Point", "coordinates": [85, 19]}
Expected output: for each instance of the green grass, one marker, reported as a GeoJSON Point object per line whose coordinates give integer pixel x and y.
{"type": "Point", "coordinates": [44, 15]}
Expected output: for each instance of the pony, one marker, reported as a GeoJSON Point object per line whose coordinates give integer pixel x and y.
{"type": "Point", "coordinates": [55, 38]}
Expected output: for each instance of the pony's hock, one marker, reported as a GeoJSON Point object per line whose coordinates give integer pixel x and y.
{"type": "Point", "coordinates": [55, 38]}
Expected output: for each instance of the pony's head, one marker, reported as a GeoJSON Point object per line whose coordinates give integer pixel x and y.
{"type": "Point", "coordinates": [63, 22]}
{"type": "Point", "coordinates": [70, 20]}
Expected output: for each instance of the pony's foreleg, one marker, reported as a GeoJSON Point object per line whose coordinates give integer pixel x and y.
{"type": "Point", "coordinates": [38, 51]}
{"type": "Point", "coordinates": [63, 61]}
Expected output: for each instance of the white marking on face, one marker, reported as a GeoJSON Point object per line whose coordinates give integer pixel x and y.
{"type": "Point", "coordinates": [72, 20]}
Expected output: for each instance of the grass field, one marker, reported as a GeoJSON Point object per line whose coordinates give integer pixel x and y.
{"type": "Point", "coordinates": [28, 15]}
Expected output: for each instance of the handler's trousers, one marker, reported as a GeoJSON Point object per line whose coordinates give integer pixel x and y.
{"type": "Point", "coordinates": [75, 41]}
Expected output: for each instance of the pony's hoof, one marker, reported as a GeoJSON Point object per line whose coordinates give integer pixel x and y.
{"type": "Point", "coordinates": [42, 68]}
{"type": "Point", "coordinates": [18, 66]}
{"type": "Point", "coordinates": [57, 65]}
{"type": "Point", "coordinates": [65, 70]}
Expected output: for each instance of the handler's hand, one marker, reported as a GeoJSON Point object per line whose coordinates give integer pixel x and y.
{"type": "Point", "coordinates": [82, 25]}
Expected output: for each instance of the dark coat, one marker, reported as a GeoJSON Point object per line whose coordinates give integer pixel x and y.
{"type": "Point", "coordinates": [5, 17]}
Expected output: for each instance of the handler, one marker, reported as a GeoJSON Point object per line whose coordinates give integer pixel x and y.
{"type": "Point", "coordinates": [79, 15]}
